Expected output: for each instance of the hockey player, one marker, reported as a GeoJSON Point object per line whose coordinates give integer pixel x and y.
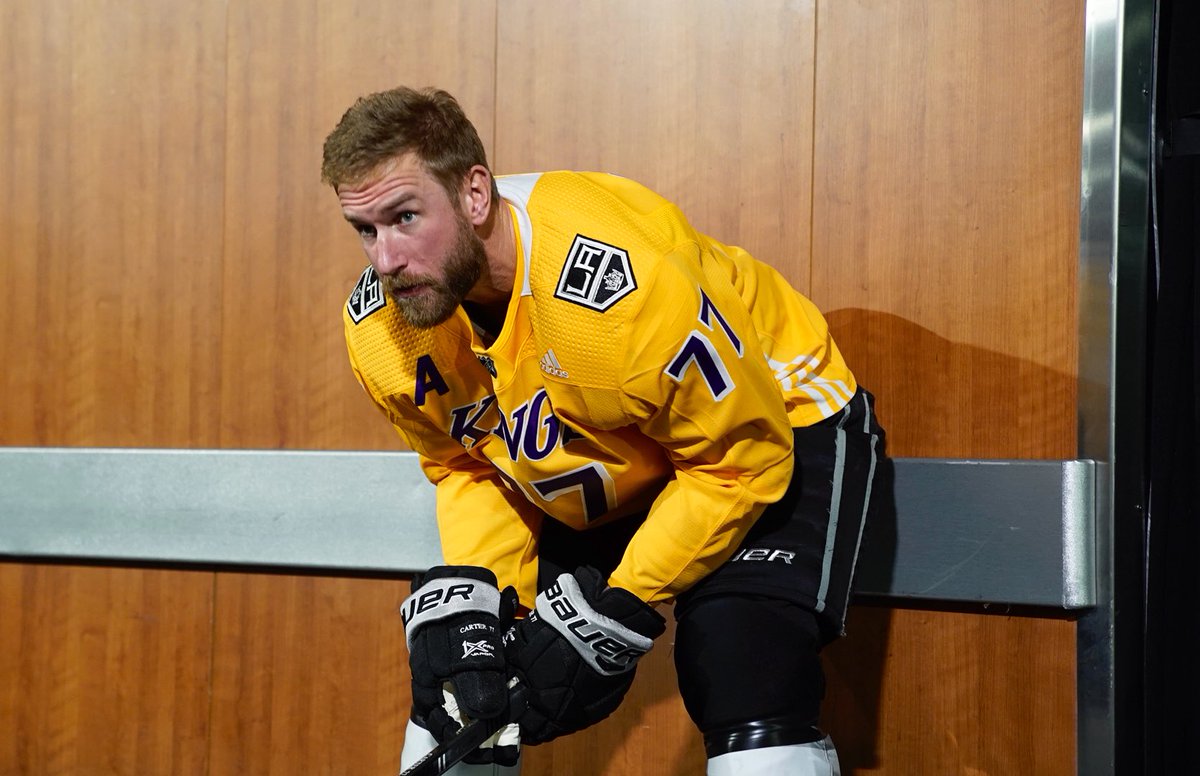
{"type": "Point", "coordinates": [617, 411]}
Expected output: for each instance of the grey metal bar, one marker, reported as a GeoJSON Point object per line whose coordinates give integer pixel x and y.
{"type": "Point", "coordinates": [1112, 315]}
{"type": "Point", "coordinates": [337, 510]}
{"type": "Point", "coordinates": [1095, 702]}
{"type": "Point", "coordinates": [1017, 532]}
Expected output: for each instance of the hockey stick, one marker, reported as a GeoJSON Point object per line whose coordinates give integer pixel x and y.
{"type": "Point", "coordinates": [446, 755]}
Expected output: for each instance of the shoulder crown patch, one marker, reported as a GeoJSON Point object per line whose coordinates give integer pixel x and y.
{"type": "Point", "coordinates": [595, 275]}
{"type": "Point", "coordinates": [367, 296]}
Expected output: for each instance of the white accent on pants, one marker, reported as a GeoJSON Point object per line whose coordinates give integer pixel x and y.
{"type": "Point", "coordinates": [418, 742]}
{"type": "Point", "coordinates": [816, 759]}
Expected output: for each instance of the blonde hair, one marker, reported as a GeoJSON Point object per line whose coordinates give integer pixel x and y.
{"type": "Point", "coordinates": [386, 125]}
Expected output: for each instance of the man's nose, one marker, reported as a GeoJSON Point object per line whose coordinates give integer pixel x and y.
{"type": "Point", "coordinates": [390, 256]}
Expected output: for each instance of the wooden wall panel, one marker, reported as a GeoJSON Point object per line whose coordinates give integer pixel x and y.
{"type": "Point", "coordinates": [290, 259]}
{"type": "Point", "coordinates": [945, 233]}
{"type": "Point", "coordinates": [945, 218]}
{"type": "Point", "coordinates": [106, 671]}
{"type": "Point", "coordinates": [173, 272]}
{"type": "Point", "coordinates": [110, 255]}
{"type": "Point", "coordinates": [927, 691]}
{"type": "Point", "coordinates": [110, 222]}
{"type": "Point", "coordinates": [309, 675]}
{"type": "Point", "coordinates": [709, 103]}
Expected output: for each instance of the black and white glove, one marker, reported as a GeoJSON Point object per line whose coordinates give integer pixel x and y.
{"type": "Point", "coordinates": [453, 623]}
{"type": "Point", "coordinates": [576, 653]}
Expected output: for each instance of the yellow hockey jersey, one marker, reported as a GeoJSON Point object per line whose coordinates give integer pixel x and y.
{"type": "Point", "coordinates": [642, 367]}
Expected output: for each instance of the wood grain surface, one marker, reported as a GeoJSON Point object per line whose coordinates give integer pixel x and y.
{"type": "Point", "coordinates": [106, 671]}
{"type": "Point", "coordinates": [945, 244]}
{"type": "Point", "coordinates": [172, 274]}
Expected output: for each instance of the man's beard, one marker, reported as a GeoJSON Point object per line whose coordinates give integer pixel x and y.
{"type": "Point", "coordinates": [438, 300]}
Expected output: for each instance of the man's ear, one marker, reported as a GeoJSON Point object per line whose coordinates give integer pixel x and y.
{"type": "Point", "coordinates": [477, 195]}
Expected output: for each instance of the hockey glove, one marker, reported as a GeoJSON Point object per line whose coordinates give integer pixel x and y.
{"type": "Point", "coordinates": [577, 652]}
{"type": "Point", "coordinates": [453, 623]}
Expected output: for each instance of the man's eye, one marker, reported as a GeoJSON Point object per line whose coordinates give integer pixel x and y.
{"type": "Point", "coordinates": [364, 231]}
{"type": "Point", "coordinates": [406, 217]}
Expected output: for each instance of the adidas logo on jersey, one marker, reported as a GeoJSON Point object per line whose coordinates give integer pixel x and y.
{"type": "Point", "coordinates": [551, 366]}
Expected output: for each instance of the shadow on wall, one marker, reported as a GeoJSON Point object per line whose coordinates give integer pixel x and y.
{"type": "Point", "coordinates": [940, 399]}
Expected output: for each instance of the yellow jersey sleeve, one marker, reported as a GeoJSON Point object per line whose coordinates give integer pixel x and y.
{"type": "Point", "coordinates": [694, 382]}
{"type": "Point", "coordinates": [697, 385]}
{"type": "Point", "coordinates": [677, 357]}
